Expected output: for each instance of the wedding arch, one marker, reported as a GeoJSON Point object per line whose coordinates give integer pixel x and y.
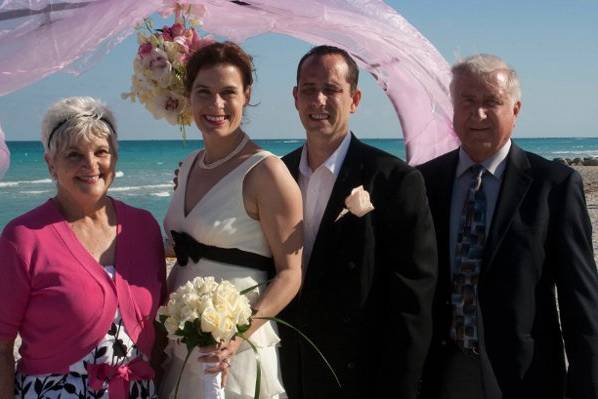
{"type": "Point", "coordinates": [40, 37]}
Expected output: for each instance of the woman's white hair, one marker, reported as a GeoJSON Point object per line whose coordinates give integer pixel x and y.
{"type": "Point", "coordinates": [484, 66]}
{"type": "Point", "coordinates": [77, 118]}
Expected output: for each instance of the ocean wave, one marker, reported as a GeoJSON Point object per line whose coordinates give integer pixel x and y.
{"type": "Point", "coordinates": [39, 181]}
{"type": "Point", "coordinates": [135, 188]}
{"type": "Point", "coordinates": [577, 152]}
{"type": "Point", "coordinates": [20, 182]}
{"type": "Point", "coordinates": [35, 192]}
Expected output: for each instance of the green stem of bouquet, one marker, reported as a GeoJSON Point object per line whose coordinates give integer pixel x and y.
{"type": "Point", "coordinates": [148, 25]}
{"type": "Point", "coordinates": [178, 381]}
{"type": "Point", "coordinates": [253, 287]}
{"type": "Point", "coordinates": [183, 132]}
{"type": "Point", "coordinates": [284, 323]}
{"type": "Point", "coordinates": [258, 374]}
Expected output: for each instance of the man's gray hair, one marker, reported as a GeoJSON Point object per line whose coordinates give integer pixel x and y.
{"type": "Point", "coordinates": [77, 118]}
{"type": "Point", "coordinates": [484, 65]}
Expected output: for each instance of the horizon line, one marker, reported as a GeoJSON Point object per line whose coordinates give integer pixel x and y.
{"type": "Point", "coordinates": [303, 139]}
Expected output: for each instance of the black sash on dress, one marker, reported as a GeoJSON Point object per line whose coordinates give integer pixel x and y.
{"type": "Point", "coordinates": [186, 247]}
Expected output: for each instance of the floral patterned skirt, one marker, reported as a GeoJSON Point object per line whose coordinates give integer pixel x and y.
{"type": "Point", "coordinates": [115, 348]}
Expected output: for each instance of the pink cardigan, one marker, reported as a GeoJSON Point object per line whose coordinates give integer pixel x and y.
{"type": "Point", "coordinates": [61, 300]}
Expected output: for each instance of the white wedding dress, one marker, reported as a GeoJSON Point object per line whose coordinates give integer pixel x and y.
{"type": "Point", "coordinates": [220, 219]}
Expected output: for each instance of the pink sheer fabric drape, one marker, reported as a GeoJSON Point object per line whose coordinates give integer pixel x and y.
{"type": "Point", "coordinates": [4, 155]}
{"type": "Point", "coordinates": [406, 65]}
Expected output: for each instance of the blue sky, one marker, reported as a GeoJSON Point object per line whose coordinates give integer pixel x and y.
{"type": "Point", "coordinates": [553, 45]}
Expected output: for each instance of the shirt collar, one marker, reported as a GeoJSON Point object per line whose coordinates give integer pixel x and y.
{"type": "Point", "coordinates": [496, 164]}
{"type": "Point", "coordinates": [333, 163]}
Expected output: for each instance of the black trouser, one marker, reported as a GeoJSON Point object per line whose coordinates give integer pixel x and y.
{"type": "Point", "coordinates": [461, 375]}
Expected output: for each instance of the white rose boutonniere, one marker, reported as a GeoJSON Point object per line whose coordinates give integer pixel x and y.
{"type": "Point", "coordinates": [358, 203]}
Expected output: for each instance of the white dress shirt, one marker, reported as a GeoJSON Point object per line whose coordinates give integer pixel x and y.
{"type": "Point", "coordinates": [495, 165]}
{"type": "Point", "coordinates": [316, 187]}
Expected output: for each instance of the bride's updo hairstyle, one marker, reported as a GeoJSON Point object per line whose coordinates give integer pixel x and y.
{"type": "Point", "coordinates": [220, 53]}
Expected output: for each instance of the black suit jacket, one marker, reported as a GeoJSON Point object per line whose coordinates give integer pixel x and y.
{"type": "Point", "coordinates": [368, 289]}
{"type": "Point", "coordinates": [539, 239]}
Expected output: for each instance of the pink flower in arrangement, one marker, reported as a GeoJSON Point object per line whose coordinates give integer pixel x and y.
{"type": "Point", "coordinates": [144, 50]}
{"type": "Point", "coordinates": [158, 67]}
{"type": "Point", "coordinates": [167, 105]}
{"type": "Point", "coordinates": [193, 40]}
{"type": "Point", "coordinates": [172, 104]}
{"type": "Point", "coordinates": [177, 29]}
{"type": "Point", "coordinates": [167, 33]}
{"type": "Point", "coordinates": [158, 60]}
{"type": "Point", "coordinates": [183, 42]}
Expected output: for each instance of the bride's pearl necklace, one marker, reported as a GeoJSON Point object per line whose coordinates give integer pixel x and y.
{"type": "Point", "coordinates": [203, 165]}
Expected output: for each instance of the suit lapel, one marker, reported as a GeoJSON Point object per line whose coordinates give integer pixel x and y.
{"type": "Point", "coordinates": [349, 177]}
{"type": "Point", "coordinates": [291, 160]}
{"type": "Point", "coordinates": [516, 183]}
{"type": "Point", "coordinates": [442, 192]}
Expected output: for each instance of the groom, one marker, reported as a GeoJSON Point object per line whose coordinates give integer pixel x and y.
{"type": "Point", "coordinates": [368, 278]}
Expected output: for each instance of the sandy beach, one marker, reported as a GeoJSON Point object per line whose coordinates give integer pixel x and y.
{"type": "Point", "coordinates": [590, 180]}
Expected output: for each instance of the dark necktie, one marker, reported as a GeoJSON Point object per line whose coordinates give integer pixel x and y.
{"type": "Point", "coordinates": [468, 257]}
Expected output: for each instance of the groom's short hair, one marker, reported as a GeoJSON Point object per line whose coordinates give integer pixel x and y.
{"type": "Point", "coordinates": [320, 51]}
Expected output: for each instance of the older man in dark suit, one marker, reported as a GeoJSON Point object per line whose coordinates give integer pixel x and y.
{"type": "Point", "coordinates": [511, 228]}
{"type": "Point", "coordinates": [369, 273]}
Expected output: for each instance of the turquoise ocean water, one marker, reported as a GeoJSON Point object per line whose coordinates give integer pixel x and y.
{"type": "Point", "coordinates": [145, 169]}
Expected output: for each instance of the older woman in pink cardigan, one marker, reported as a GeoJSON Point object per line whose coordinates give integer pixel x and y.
{"type": "Point", "coordinates": [82, 275]}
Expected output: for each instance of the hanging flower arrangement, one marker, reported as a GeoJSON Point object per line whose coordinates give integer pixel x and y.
{"type": "Point", "coordinates": [160, 65]}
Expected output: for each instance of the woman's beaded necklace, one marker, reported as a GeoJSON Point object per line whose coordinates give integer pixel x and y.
{"type": "Point", "coordinates": [212, 165]}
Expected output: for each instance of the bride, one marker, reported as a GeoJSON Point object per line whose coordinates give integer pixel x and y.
{"type": "Point", "coordinates": [238, 206]}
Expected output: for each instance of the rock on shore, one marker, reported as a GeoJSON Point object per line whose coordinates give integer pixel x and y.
{"type": "Point", "coordinates": [588, 161]}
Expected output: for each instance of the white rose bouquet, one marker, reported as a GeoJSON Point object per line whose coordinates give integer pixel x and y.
{"type": "Point", "coordinates": [204, 312]}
